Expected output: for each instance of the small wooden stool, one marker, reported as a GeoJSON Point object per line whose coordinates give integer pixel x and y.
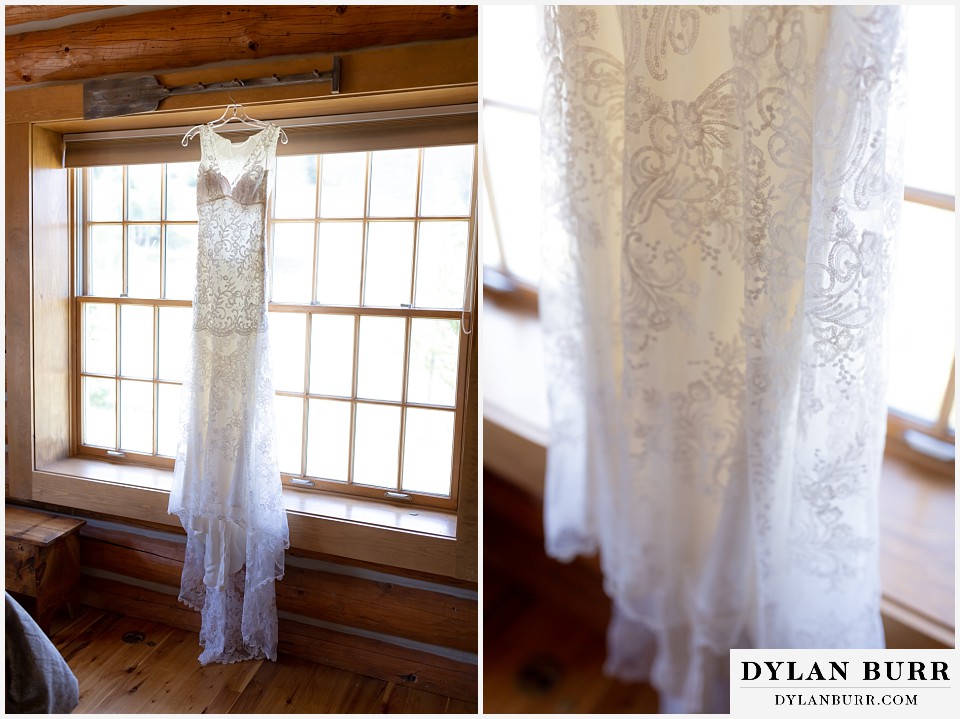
{"type": "Point", "coordinates": [42, 555]}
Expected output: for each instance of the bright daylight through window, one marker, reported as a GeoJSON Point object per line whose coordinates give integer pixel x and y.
{"type": "Point", "coordinates": [922, 322]}
{"type": "Point", "coordinates": [368, 256]}
{"type": "Point", "coordinates": [923, 317]}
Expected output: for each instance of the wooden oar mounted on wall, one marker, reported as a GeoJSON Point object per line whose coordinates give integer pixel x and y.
{"type": "Point", "coordinates": [111, 97]}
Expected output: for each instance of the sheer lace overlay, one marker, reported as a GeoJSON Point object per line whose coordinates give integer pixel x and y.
{"type": "Point", "coordinates": [226, 486]}
{"type": "Point", "coordinates": [722, 190]}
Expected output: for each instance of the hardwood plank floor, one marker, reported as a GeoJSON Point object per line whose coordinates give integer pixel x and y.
{"type": "Point", "coordinates": [160, 674]}
{"type": "Point", "coordinates": [544, 623]}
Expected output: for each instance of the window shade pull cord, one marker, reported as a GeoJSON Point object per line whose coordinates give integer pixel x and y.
{"type": "Point", "coordinates": [466, 316]}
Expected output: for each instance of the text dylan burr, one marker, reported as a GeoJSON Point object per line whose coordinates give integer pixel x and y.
{"type": "Point", "coordinates": [838, 671]}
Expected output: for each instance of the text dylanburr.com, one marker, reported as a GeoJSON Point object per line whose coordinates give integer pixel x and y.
{"type": "Point", "coordinates": [847, 683]}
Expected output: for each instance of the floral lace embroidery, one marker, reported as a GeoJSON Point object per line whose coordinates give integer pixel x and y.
{"type": "Point", "coordinates": [226, 489]}
{"type": "Point", "coordinates": [721, 191]}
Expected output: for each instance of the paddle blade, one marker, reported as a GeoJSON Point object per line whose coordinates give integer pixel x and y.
{"type": "Point", "coordinates": [110, 97]}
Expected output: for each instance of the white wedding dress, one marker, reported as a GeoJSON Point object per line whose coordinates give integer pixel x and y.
{"type": "Point", "coordinates": [722, 193]}
{"type": "Point", "coordinates": [226, 487]}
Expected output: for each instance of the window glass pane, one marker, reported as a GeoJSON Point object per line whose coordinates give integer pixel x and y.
{"type": "Point", "coordinates": [514, 77]}
{"type": "Point", "coordinates": [328, 439]}
{"type": "Point", "coordinates": [931, 99]}
{"type": "Point", "coordinates": [434, 346]}
{"type": "Point", "coordinates": [99, 338]}
{"type": "Point", "coordinates": [922, 312]}
{"type": "Point", "coordinates": [182, 191]}
{"type": "Point", "coordinates": [105, 260]}
{"type": "Point", "coordinates": [441, 264]}
{"type": "Point", "coordinates": [181, 259]}
{"type": "Point", "coordinates": [389, 264]}
{"type": "Point", "coordinates": [447, 181]}
{"type": "Point", "coordinates": [175, 339]}
{"type": "Point", "coordinates": [513, 167]}
{"type": "Point", "coordinates": [380, 361]}
{"type": "Point", "coordinates": [143, 261]}
{"type": "Point", "coordinates": [99, 412]}
{"type": "Point", "coordinates": [376, 445]}
{"type": "Point", "coordinates": [331, 355]}
{"type": "Point", "coordinates": [136, 416]}
{"type": "Point", "coordinates": [393, 183]}
{"type": "Point", "coordinates": [143, 192]}
{"type": "Point", "coordinates": [338, 263]}
{"type": "Point", "coordinates": [136, 341]}
{"type": "Point", "coordinates": [168, 419]}
{"type": "Point", "coordinates": [288, 349]}
{"type": "Point", "coordinates": [427, 451]}
{"type": "Point", "coordinates": [292, 262]}
{"type": "Point", "coordinates": [343, 184]}
{"type": "Point", "coordinates": [289, 413]}
{"type": "Point", "coordinates": [296, 194]}
{"type": "Point", "coordinates": [106, 194]}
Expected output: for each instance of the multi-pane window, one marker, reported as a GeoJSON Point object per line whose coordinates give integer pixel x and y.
{"type": "Point", "coordinates": [368, 257]}
{"type": "Point", "coordinates": [513, 84]}
{"type": "Point", "coordinates": [923, 311]}
{"type": "Point", "coordinates": [138, 246]}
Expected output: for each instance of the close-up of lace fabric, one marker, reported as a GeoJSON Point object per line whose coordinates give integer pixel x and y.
{"type": "Point", "coordinates": [226, 489]}
{"type": "Point", "coordinates": [722, 194]}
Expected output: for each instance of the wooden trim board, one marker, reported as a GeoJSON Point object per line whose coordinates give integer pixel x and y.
{"type": "Point", "coordinates": [383, 606]}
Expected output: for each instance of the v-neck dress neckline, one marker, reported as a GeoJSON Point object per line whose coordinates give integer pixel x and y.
{"type": "Point", "coordinates": [234, 169]}
{"type": "Point", "coordinates": [233, 151]}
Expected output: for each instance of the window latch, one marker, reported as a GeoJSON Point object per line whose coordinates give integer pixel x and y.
{"type": "Point", "coordinates": [115, 453]}
{"type": "Point", "coordinates": [396, 495]}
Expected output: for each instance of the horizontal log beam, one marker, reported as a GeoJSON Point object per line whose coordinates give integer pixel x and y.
{"type": "Point", "coordinates": [20, 14]}
{"type": "Point", "coordinates": [363, 603]}
{"type": "Point", "coordinates": [393, 609]}
{"type": "Point", "coordinates": [196, 35]}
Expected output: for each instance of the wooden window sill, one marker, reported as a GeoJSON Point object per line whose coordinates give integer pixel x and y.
{"type": "Point", "coordinates": [419, 538]}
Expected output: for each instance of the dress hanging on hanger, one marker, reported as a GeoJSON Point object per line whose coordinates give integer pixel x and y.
{"type": "Point", "coordinates": [226, 486]}
{"type": "Point", "coordinates": [234, 112]}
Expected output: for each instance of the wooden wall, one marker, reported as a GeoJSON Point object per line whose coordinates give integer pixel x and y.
{"type": "Point", "coordinates": [411, 629]}
{"type": "Point", "coordinates": [388, 622]}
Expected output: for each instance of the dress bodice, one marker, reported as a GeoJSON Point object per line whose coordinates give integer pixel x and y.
{"type": "Point", "coordinates": [245, 162]}
{"type": "Point", "coordinates": [232, 184]}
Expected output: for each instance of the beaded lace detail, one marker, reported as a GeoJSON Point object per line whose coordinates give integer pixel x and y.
{"type": "Point", "coordinates": [226, 487]}
{"type": "Point", "coordinates": [722, 188]}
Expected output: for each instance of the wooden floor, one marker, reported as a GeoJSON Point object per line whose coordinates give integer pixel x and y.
{"type": "Point", "coordinates": [544, 623]}
{"type": "Point", "coordinates": [160, 674]}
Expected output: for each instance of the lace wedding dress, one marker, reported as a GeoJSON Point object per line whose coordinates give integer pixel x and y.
{"type": "Point", "coordinates": [226, 487]}
{"type": "Point", "coordinates": [722, 192]}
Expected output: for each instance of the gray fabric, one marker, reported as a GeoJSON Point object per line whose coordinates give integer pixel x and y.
{"type": "Point", "coordinates": [38, 679]}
